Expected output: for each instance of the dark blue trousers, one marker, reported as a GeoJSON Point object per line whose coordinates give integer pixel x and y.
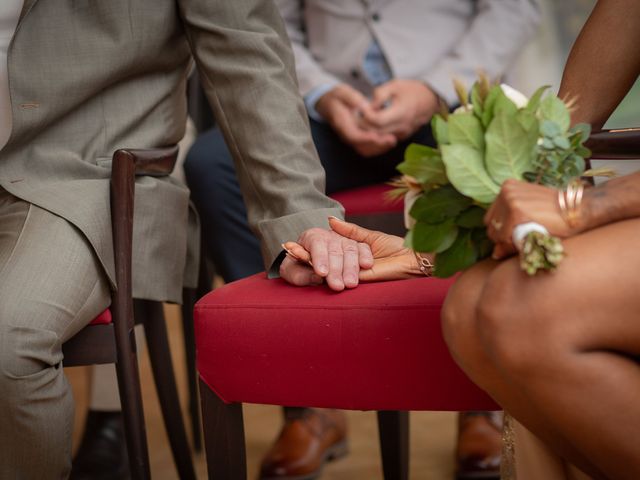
{"type": "Point", "coordinates": [215, 191]}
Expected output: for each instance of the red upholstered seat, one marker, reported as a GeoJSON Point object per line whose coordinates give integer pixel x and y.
{"type": "Point", "coordinates": [376, 347]}
{"type": "Point", "coordinates": [367, 200]}
{"type": "Point", "coordinates": [103, 319]}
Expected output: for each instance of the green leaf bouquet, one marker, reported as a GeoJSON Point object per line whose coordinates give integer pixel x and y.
{"type": "Point", "coordinates": [496, 134]}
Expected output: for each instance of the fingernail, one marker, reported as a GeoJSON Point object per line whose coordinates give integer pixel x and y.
{"type": "Point", "coordinates": [331, 217]}
{"type": "Point", "coordinates": [323, 269]}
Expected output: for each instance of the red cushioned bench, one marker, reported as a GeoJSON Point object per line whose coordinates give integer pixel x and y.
{"type": "Point", "coordinates": [370, 208]}
{"type": "Point", "coordinates": [376, 347]}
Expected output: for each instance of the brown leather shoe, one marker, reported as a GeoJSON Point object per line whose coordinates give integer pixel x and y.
{"type": "Point", "coordinates": [309, 438]}
{"type": "Point", "coordinates": [479, 445]}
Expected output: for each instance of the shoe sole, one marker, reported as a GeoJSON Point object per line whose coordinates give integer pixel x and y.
{"type": "Point", "coordinates": [478, 476]}
{"type": "Point", "coordinates": [334, 452]}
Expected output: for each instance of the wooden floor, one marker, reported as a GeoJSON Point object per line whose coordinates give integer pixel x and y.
{"type": "Point", "coordinates": [432, 434]}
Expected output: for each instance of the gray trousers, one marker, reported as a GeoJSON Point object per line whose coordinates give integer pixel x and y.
{"type": "Point", "coordinates": [51, 286]}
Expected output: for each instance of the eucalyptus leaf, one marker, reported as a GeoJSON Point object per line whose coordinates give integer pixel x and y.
{"type": "Point", "coordinates": [584, 129]}
{"type": "Point", "coordinates": [466, 129]}
{"type": "Point", "coordinates": [440, 129]}
{"type": "Point", "coordinates": [561, 142]}
{"type": "Point", "coordinates": [462, 254]}
{"type": "Point", "coordinates": [554, 109]}
{"type": "Point", "coordinates": [433, 238]}
{"type": "Point", "coordinates": [511, 149]}
{"type": "Point", "coordinates": [548, 144]}
{"type": "Point", "coordinates": [549, 128]}
{"type": "Point", "coordinates": [584, 152]}
{"type": "Point", "coordinates": [465, 169]}
{"type": "Point", "coordinates": [472, 217]}
{"type": "Point", "coordinates": [439, 204]}
{"type": "Point", "coordinates": [424, 164]}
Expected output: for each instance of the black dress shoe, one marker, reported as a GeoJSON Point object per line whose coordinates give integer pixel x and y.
{"type": "Point", "coordinates": [102, 455]}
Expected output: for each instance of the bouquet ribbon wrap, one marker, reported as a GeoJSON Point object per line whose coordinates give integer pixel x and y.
{"type": "Point", "coordinates": [524, 229]}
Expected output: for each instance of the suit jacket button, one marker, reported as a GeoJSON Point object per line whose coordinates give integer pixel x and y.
{"type": "Point", "coordinates": [375, 17]}
{"type": "Point", "coordinates": [355, 73]}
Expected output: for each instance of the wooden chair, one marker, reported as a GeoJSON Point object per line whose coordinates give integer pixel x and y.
{"type": "Point", "coordinates": [367, 206]}
{"type": "Point", "coordinates": [110, 338]}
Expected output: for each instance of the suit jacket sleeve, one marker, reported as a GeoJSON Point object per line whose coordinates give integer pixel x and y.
{"type": "Point", "coordinates": [310, 74]}
{"type": "Point", "coordinates": [495, 36]}
{"type": "Point", "coordinates": [247, 71]}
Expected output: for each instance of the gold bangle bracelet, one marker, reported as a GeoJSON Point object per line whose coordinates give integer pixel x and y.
{"type": "Point", "coordinates": [570, 200]}
{"type": "Point", "coordinates": [424, 264]}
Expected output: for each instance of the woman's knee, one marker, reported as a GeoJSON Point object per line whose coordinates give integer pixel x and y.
{"type": "Point", "coordinates": [459, 318]}
{"type": "Point", "coordinates": [518, 332]}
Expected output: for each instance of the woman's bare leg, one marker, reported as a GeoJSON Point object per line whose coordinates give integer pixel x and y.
{"type": "Point", "coordinates": [561, 347]}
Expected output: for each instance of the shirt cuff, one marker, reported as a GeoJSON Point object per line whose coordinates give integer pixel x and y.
{"type": "Point", "coordinates": [311, 98]}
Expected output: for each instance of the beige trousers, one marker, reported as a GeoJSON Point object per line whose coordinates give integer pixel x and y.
{"type": "Point", "coordinates": [51, 286]}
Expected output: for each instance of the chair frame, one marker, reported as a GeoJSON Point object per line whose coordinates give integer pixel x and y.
{"type": "Point", "coordinates": [115, 342]}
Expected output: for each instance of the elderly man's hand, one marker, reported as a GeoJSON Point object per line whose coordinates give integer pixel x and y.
{"type": "Point", "coordinates": [400, 107]}
{"type": "Point", "coordinates": [342, 107]}
{"type": "Point", "coordinates": [391, 259]}
{"type": "Point", "coordinates": [333, 258]}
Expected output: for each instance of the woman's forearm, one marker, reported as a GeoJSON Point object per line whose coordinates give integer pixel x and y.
{"type": "Point", "coordinates": [618, 199]}
{"type": "Point", "coordinates": [604, 61]}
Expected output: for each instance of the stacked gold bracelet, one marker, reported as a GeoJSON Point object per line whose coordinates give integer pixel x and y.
{"type": "Point", "coordinates": [424, 264]}
{"type": "Point", "coordinates": [569, 201]}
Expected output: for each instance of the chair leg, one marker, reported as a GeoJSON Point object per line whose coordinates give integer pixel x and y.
{"type": "Point", "coordinates": [189, 299]}
{"type": "Point", "coordinates": [188, 302]}
{"type": "Point", "coordinates": [393, 428]}
{"type": "Point", "coordinates": [155, 330]}
{"type": "Point", "coordinates": [132, 410]}
{"type": "Point", "coordinates": [223, 437]}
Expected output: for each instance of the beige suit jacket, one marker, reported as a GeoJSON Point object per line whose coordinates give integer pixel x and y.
{"type": "Point", "coordinates": [87, 78]}
{"type": "Point", "coordinates": [429, 40]}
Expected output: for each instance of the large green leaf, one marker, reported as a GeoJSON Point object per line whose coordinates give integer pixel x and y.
{"type": "Point", "coordinates": [502, 103]}
{"type": "Point", "coordinates": [465, 169]}
{"type": "Point", "coordinates": [511, 148]}
{"type": "Point", "coordinates": [483, 245]}
{"type": "Point", "coordinates": [472, 217]}
{"type": "Point", "coordinates": [440, 129]}
{"type": "Point", "coordinates": [466, 129]}
{"type": "Point", "coordinates": [554, 109]}
{"type": "Point", "coordinates": [534, 101]}
{"type": "Point", "coordinates": [424, 164]}
{"type": "Point", "coordinates": [487, 113]}
{"type": "Point", "coordinates": [479, 93]}
{"type": "Point", "coordinates": [462, 254]}
{"type": "Point", "coordinates": [439, 204]}
{"type": "Point", "coordinates": [433, 238]}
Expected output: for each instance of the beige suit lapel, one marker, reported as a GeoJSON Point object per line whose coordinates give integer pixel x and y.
{"type": "Point", "coordinates": [26, 8]}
